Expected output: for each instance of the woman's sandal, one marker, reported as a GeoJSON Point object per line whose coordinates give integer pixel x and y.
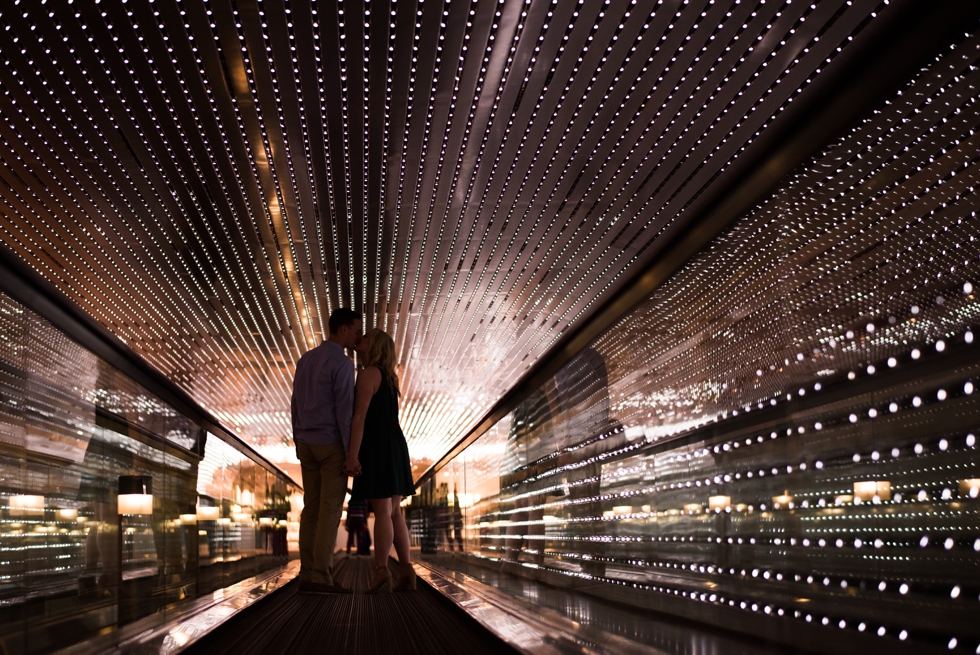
{"type": "Point", "coordinates": [382, 581]}
{"type": "Point", "coordinates": [406, 578]}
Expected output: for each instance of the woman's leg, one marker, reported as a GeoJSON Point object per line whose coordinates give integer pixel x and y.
{"type": "Point", "coordinates": [400, 531]}
{"type": "Point", "coordinates": [382, 530]}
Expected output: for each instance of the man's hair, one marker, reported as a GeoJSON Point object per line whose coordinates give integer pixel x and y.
{"type": "Point", "coordinates": [341, 317]}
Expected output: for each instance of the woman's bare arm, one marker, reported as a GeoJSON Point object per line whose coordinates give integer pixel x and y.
{"type": "Point", "coordinates": [367, 385]}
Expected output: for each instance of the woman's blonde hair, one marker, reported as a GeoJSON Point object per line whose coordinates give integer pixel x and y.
{"type": "Point", "coordinates": [381, 353]}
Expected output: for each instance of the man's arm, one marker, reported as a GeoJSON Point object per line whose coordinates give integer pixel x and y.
{"type": "Point", "coordinates": [297, 389]}
{"type": "Point", "coordinates": [343, 393]}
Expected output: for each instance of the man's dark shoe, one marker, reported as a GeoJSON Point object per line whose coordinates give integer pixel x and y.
{"type": "Point", "coordinates": [320, 588]}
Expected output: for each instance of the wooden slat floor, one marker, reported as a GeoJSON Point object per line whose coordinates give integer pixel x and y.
{"type": "Point", "coordinates": [402, 624]}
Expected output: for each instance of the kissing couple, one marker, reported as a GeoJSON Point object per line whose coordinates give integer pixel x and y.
{"type": "Point", "coordinates": [342, 428]}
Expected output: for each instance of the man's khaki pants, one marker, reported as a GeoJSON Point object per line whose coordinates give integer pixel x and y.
{"type": "Point", "coordinates": [324, 487]}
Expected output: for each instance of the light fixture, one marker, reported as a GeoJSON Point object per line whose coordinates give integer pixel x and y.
{"type": "Point", "coordinates": [67, 514]}
{"type": "Point", "coordinates": [207, 512]}
{"type": "Point", "coordinates": [26, 506]}
{"type": "Point", "coordinates": [719, 503]}
{"type": "Point", "coordinates": [782, 501]}
{"type": "Point", "coordinates": [970, 487]}
{"type": "Point", "coordinates": [135, 495]}
{"type": "Point", "coordinates": [867, 490]}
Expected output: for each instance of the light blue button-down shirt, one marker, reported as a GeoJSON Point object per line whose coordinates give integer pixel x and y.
{"type": "Point", "coordinates": [323, 396]}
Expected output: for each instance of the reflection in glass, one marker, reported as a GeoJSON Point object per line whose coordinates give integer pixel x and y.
{"type": "Point", "coordinates": [787, 427]}
{"type": "Point", "coordinates": [112, 504]}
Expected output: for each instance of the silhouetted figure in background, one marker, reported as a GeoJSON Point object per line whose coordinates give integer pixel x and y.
{"type": "Point", "coordinates": [581, 398]}
{"type": "Point", "coordinates": [530, 439]}
{"type": "Point", "coordinates": [357, 524]}
{"type": "Point", "coordinates": [444, 526]}
{"type": "Point", "coordinates": [457, 521]}
{"type": "Point", "coordinates": [564, 422]}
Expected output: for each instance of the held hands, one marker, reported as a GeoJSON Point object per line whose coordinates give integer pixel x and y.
{"type": "Point", "coordinates": [352, 466]}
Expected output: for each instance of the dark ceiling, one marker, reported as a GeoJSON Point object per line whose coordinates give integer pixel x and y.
{"type": "Point", "coordinates": [211, 179]}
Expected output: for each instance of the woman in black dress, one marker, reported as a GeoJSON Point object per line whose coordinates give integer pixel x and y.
{"type": "Point", "coordinates": [378, 450]}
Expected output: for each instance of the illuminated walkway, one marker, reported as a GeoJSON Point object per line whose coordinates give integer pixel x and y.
{"type": "Point", "coordinates": [421, 623]}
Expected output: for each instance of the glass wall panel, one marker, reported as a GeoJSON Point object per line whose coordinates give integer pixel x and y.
{"type": "Point", "coordinates": [113, 505]}
{"type": "Point", "coordinates": [787, 428]}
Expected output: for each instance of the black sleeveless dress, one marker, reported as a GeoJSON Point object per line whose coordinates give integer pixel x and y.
{"type": "Point", "coordinates": [386, 469]}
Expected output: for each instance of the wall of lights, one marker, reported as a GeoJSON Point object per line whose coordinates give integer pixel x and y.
{"type": "Point", "coordinates": [209, 180]}
{"type": "Point", "coordinates": [788, 427]}
{"type": "Point", "coordinates": [113, 505]}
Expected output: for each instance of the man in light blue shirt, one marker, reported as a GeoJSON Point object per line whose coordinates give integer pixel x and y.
{"type": "Point", "coordinates": [322, 406]}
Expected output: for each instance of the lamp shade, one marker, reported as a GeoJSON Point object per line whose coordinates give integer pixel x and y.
{"type": "Point", "coordinates": [135, 495]}
{"type": "Point", "coordinates": [970, 487]}
{"type": "Point", "coordinates": [208, 513]}
{"type": "Point", "coordinates": [782, 501]}
{"type": "Point", "coordinates": [135, 504]}
{"type": "Point", "coordinates": [868, 489]}
{"type": "Point", "coordinates": [26, 505]}
{"type": "Point", "coordinates": [718, 503]}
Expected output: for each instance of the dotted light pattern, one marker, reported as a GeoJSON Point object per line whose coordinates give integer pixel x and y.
{"type": "Point", "coordinates": [209, 180]}
{"type": "Point", "coordinates": [788, 426]}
